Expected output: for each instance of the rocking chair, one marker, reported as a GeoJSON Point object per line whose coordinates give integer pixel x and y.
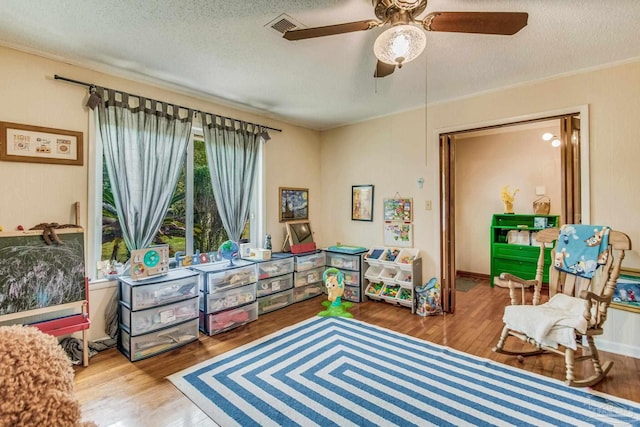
{"type": "Point", "coordinates": [576, 310]}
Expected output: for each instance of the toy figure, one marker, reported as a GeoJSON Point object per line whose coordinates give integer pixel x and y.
{"type": "Point", "coordinates": [334, 281]}
{"type": "Point", "coordinates": [267, 241]}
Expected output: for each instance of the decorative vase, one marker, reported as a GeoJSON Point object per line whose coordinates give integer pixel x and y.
{"type": "Point", "coordinates": [508, 207]}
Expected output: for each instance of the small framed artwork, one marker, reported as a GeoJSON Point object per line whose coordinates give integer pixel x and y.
{"type": "Point", "coordinates": [35, 144]}
{"type": "Point", "coordinates": [294, 203]}
{"type": "Point", "coordinates": [362, 203]}
{"type": "Point", "coordinates": [398, 209]}
{"type": "Point", "coordinates": [627, 293]}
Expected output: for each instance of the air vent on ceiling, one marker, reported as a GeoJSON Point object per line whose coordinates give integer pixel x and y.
{"type": "Point", "coordinates": [284, 23]}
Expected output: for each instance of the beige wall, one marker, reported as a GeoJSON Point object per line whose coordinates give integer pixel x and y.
{"type": "Point", "coordinates": [390, 153]}
{"type": "Point", "coordinates": [519, 159]}
{"type": "Point", "coordinates": [34, 193]}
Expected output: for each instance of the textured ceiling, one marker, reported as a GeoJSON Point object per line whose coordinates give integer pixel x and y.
{"type": "Point", "coordinates": [223, 50]}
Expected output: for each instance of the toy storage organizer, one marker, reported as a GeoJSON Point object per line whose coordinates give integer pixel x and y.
{"type": "Point", "coordinates": [157, 314]}
{"type": "Point", "coordinates": [353, 268]}
{"type": "Point", "coordinates": [275, 284]}
{"type": "Point", "coordinates": [307, 276]}
{"type": "Point", "coordinates": [227, 295]}
{"type": "Point", "coordinates": [393, 275]}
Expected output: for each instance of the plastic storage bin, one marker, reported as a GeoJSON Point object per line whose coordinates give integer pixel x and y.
{"type": "Point", "coordinates": [351, 278]}
{"type": "Point", "coordinates": [308, 262]}
{"type": "Point", "coordinates": [308, 276]}
{"type": "Point", "coordinates": [275, 267]}
{"type": "Point", "coordinates": [143, 321]}
{"type": "Point", "coordinates": [219, 275]}
{"type": "Point", "coordinates": [274, 284]}
{"type": "Point", "coordinates": [406, 257]}
{"type": "Point", "coordinates": [352, 293]}
{"type": "Point", "coordinates": [147, 345]}
{"type": "Point", "coordinates": [223, 300]}
{"type": "Point", "coordinates": [216, 323]}
{"type": "Point", "coordinates": [307, 291]}
{"type": "Point", "coordinates": [275, 301]}
{"type": "Point", "coordinates": [177, 285]}
{"type": "Point", "coordinates": [373, 256]}
{"type": "Point", "coordinates": [345, 261]}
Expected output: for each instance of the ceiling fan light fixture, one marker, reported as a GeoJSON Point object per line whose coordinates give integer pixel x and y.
{"type": "Point", "coordinates": [400, 44]}
{"type": "Point", "coordinates": [406, 4]}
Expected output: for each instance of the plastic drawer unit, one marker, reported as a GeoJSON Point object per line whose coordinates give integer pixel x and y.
{"type": "Point", "coordinates": [147, 345]}
{"type": "Point", "coordinates": [274, 284]}
{"type": "Point", "coordinates": [275, 301]}
{"type": "Point", "coordinates": [303, 278]}
{"type": "Point", "coordinates": [229, 298]}
{"type": "Point", "coordinates": [218, 276]}
{"type": "Point", "coordinates": [279, 265]}
{"type": "Point", "coordinates": [177, 285]}
{"type": "Point", "coordinates": [309, 261]}
{"type": "Point", "coordinates": [223, 321]}
{"type": "Point", "coordinates": [143, 321]}
{"type": "Point", "coordinates": [308, 291]}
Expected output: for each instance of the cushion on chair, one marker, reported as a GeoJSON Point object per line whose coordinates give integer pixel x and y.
{"type": "Point", "coordinates": [551, 323]}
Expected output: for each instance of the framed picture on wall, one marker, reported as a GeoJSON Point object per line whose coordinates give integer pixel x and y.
{"type": "Point", "coordinates": [627, 293]}
{"type": "Point", "coordinates": [362, 203]}
{"type": "Point", "coordinates": [398, 209]}
{"type": "Point", "coordinates": [294, 203]}
{"type": "Point", "coordinates": [398, 234]}
{"type": "Point", "coordinates": [35, 144]}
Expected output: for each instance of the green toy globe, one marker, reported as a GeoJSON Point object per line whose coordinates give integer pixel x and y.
{"type": "Point", "coordinates": [229, 250]}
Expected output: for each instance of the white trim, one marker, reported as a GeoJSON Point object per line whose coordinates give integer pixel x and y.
{"type": "Point", "coordinates": [94, 198]}
{"type": "Point", "coordinates": [618, 348]}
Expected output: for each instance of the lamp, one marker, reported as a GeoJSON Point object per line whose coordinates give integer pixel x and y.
{"type": "Point", "coordinates": [548, 136]}
{"type": "Point", "coordinates": [406, 4]}
{"type": "Point", "coordinates": [400, 44]}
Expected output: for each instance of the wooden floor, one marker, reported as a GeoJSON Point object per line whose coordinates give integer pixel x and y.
{"type": "Point", "coordinates": [116, 392]}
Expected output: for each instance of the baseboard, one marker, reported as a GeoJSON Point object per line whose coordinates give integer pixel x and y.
{"type": "Point", "coordinates": [618, 348]}
{"type": "Point", "coordinates": [472, 275]}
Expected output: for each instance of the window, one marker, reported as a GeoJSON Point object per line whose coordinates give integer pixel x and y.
{"type": "Point", "coordinates": [191, 223]}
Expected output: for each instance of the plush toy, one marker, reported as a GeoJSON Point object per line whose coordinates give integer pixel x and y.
{"type": "Point", "coordinates": [334, 281]}
{"type": "Point", "coordinates": [36, 381]}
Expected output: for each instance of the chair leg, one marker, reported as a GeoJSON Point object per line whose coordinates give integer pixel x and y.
{"type": "Point", "coordinates": [600, 371]}
{"type": "Point", "coordinates": [499, 348]}
{"type": "Point", "coordinates": [569, 358]}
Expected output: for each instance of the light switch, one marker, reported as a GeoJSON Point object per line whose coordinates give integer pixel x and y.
{"type": "Point", "coordinates": [541, 190]}
{"type": "Point", "coordinates": [427, 205]}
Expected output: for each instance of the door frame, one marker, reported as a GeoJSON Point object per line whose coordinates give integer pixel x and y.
{"type": "Point", "coordinates": [447, 191]}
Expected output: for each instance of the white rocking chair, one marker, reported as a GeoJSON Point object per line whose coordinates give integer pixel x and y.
{"type": "Point", "coordinates": [576, 314]}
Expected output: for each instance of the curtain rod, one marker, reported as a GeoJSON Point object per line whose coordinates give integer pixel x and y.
{"type": "Point", "coordinates": [89, 85]}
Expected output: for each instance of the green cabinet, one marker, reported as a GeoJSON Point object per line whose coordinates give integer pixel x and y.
{"type": "Point", "coordinates": [513, 246]}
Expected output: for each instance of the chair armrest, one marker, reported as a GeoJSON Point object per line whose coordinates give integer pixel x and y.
{"type": "Point", "coordinates": [515, 279]}
{"type": "Point", "coordinates": [518, 282]}
{"type": "Point", "coordinates": [595, 315]}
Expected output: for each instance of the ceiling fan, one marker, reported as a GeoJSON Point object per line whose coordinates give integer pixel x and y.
{"type": "Point", "coordinates": [403, 42]}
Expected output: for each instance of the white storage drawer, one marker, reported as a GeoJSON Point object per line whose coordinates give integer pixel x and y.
{"type": "Point", "coordinates": [309, 276]}
{"type": "Point", "coordinates": [348, 262]}
{"type": "Point", "coordinates": [352, 293]}
{"type": "Point", "coordinates": [216, 323]}
{"type": "Point", "coordinates": [147, 345]}
{"type": "Point", "coordinates": [308, 262]}
{"type": "Point", "coordinates": [219, 275]}
{"type": "Point", "coordinates": [274, 284]}
{"type": "Point", "coordinates": [275, 267]}
{"type": "Point", "coordinates": [143, 321]}
{"type": "Point", "coordinates": [223, 300]}
{"type": "Point", "coordinates": [177, 285]}
{"type": "Point", "coordinates": [307, 291]}
{"type": "Point", "coordinates": [275, 301]}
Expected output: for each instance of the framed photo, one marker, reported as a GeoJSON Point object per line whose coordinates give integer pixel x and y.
{"type": "Point", "coordinates": [362, 203]}
{"type": "Point", "coordinates": [398, 209]}
{"type": "Point", "coordinates": [35, 144]}
{"type": "Point", "coordinates": [294, 203]}
{"type": "Point", "coordinates": [627, 293]}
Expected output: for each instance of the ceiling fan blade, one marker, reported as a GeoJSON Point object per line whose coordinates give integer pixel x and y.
{"type": "Point", "coordinates": [503, 23]}
{"type": "Point", "coordinates": [329, 30]}
{"type": "Point", "coordinates": [383, 69]}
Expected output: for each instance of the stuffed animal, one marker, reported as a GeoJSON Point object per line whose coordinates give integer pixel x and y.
{"type": "Point", "coordinates": [36, 381]}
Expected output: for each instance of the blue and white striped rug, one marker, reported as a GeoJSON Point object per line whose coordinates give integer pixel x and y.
{"type": "Point", "coordinates": [343, 372]}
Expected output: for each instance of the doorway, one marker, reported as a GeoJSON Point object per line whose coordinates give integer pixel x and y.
{"type": "Point", "coordinates": [572, 164]}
